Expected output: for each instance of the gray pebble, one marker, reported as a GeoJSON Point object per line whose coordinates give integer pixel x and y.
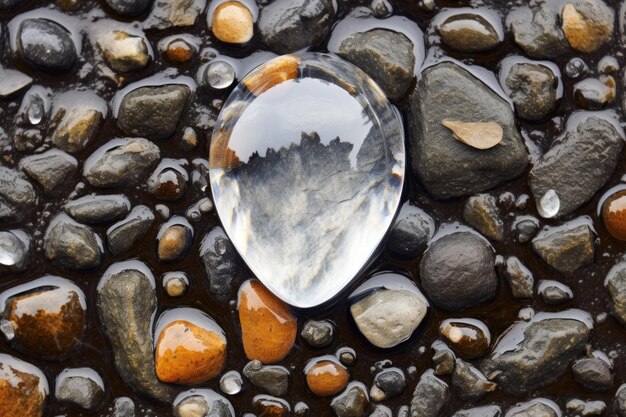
{"type": "Point", "coordinates": [271, 378]}
{"type": "Point", "coordinates": [318, 334]}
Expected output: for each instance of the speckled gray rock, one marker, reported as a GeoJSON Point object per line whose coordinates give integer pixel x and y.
{"type": "Point", "coordinates": [445, 166]}
{"type": "Point", "coordinates": [458, 271]}
{"type": "Point", "coordinates": [554, 292]}
{"type": "Point", "coordinates": [351, 403]}
{"type": "Point", "coordinates": [429, 397]}
{"type": "Point", "coordinates": [549, 344]}
{"type": "Point", "coordinates": [484, 411]}
{"type": "Point", "coordinates": [391, 382]}
{"type": "Point", "coordinates": [123, 235]}
{"type": "Point", "coordinates": [271, 378]}
{"type": "Point", "coordinates": [46, 45]}
{"type": "Point", "coordinates": [52, 169]}
{"type": "Point", "coordinates": [318, 334]}
{"type": "Point", "coordinates": [174, 13]}
{"type": "Point", "coordinates": [289, 25]}
{"type": "Point", "coordinates": [593, 373]}
{"type": "Point", "coordinates": [123, 407]}
{"type": "Point", "coordinates": [531, 85]}
{"type": "Point", "coordinates": [411, 232]}
{"type": "Point", "coordinates": [616, 285]}
{"type": "Point", "coordinates": [579, 407]}
{"type": "Point", "coordinates": [384, 55]}
{"type": "Point", "coordinates": [519, 278]}
{"type": "Point", "coordinates": [565, 248]}
{"type": "Point", "coordinates": [620, 401]}
{"type": "Point", "coordinates": [577, 166]}
{"type": "Point", "coordinates": [533, 408]}
{"type": "Point", "coordinates": [482, 213]}
{"type": "Point", "coordinates": [72, 245]}
{"type": "Point", "coordinates": [153, 111]}
{"type": "Point", "coordinates": [126, 302]}
{"type": "Point", "coordinates": [97, 209]}
{"type": "Point", "coordinates": [17, 196]}
{"type": "Point", "coordinates": [469, 383]}
{"type": "Point", "coordinates": [129, 7]}
{"type": "Point", "coordinates": [443, 358]}
{"type": "Point", "coordinates": [219, 258]}
{"type": "Point", "coordinates": [468, 31]}
{"type": "Point", "coordinates": [79, 389]}
{"type": "Point", "coordinates": [121, 162]}
{"type": "Point", "coordinates": [536, 29]}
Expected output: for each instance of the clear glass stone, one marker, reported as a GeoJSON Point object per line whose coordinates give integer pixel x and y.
{"type": "Point", "coordinates": [306, 166]}
{"type": "Point", "coordinates": [231, 383]}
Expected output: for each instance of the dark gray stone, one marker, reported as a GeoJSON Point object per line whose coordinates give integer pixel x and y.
{"type": "Point", "coordinates": [593, 374]}
{"type": "Point", "coordinates": [482, 213]}
{"type": "Point", "coordinates": [536, 29]}
{"type": "Point", "coordinates": [391, 382]}
{"type": "Point", "coordinates": [469, 32]}
{"type": "Point", "coordinates": [384, 55]}
{"type": "Point", "coordinates": [153, 111]}
{"type": "Point", "coordinates": [577, 166]}
{"type": "Point", "coordinates": [80, 390]}
{"type": "Point", "coordinates": [46, 45]}
{"type": "Point", "coordinates": [72, 245]}
{"type": "Point", "coordinates": [126, 302]}
{"type": "Point", "coordinates": [458, 272]}
{"type": "Point", "coordinates": [289, 25]}
{"type": "Point", "coordinates": [620, 401]}
{"type": "Point", "coordinates": [129, 7]}
{"type": "Point", "coordinates": [469, 383]}
{"type": "Point", "coordinates": [411, 232]}
{"type": "Point", "coordinates": [98, 209]}
{"type": "Point", "coordinates": [616, 284]}
{"type": "Point", "coordinates": [318, 334]}
{"type": "Point", "coordinates": [174, 13]}
{"type": "Point", "coordinates": [526, 229]}
{"type": "Point", "coordinates": [554, 292]}
{"type": "Point", "coordinates": [429, 397]}
{"type": "Point", "coordinates": [121, 162]}
{"type": "Point", "coordinates": [443, 358]}
{"type": "Point", "coordinates": [219, 258]}
{"type": "Point", "coordinates": [484, 411]}
{"type": "Point", "coordinates": [53, 170]}
{"type": "Point", "coordinates": [533, 408]}
{"type": "Point", "coordinates": [565, 248]}
{"type": "Point", "coordinates": [532, 87]}
{"type": "Point", "coordinates": [445, 166]}
{"type": "Point", "coordinates": [123, 235]}
{"type": "Point", "coordinates": [549, 344]}
{"type": "Point", "coordinates": [351, 403]}
{"type": "Point", "coordinates": [271, 378]}
{"type": "Point", "coordinates": [17, 196]}
{"type": "Point", "coordinates": [519, 278]}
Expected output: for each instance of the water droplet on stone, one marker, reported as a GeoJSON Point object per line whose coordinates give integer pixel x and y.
{"type": "Point", "coordinates": [231, 383]}
{"type": "Point", "coordinates": [36, 109]}
{"type": "Point", "coordinates": [219, 75]}
{"type": "Point", "coordinates": [313, 140]}
{"type": "Point", "coordinates": [549, 204]}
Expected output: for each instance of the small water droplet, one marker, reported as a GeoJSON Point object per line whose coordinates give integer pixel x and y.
{"type": "Point", "coordinates": [231, 383]}
{"type": "Point", "coordinates": [219, 75]}
{"type": "Point", "coordinates": [549, 204]}
{"type": "Point", "coordinates": [35, 110]}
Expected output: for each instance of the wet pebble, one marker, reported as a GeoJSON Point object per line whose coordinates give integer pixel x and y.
{"type": "Point", "coordinates": [98, 209]}
{"type": "Point", "coordinates": [595, 93]}
{"type": "Point", "coordinates": [565, 248]}
{"type": "Point", "coordinates": [17, 195]}
{"type": "Point", "coordinates": [443, 358]}
{"type": "Point", "coordinates": [169, 180]}
{"type": "Point", "coordinates": [123, 235]}
{"type": "Point", "coordinates": [554, 292]}
{"type": "Point", "coordinates": [482, 213]}
{"type": "Point", "coordinates": [123, 51]}
{"type": "Point", "coordinates": [175, 283]}
{"type": "Point", "coordinates": [411, 232]}
{"type": "Point", "coordinates": [469, 338]}
{"type": "Point", "coordinates": [429, 397]}
{"type": "Point", "coordinates": [72, 245]}
{"type": "Point", "coordinates": [80, 386]}
{"type": "Point", "coordinates": [167, 14]}
{"type": "Point", "coordinates": [174, 240]}
{"type": "Point", "coordinates": [535, 29]}
{"type": "Point", "coordinates": [180, 50]}
{"type": "Point", "coordinates": [518, 276]}
{"type": "Point", "coordinates": [318, 334]}
{"type": "Point", "coordinates": [23, 388]}
{"type": "Point", "coordinates": [123, 407]}
{"type": "Point", "coordinates": [129, 7]}
{"type": "Point", "coordinates": [615, 283]}
{"type": "Point", "coordinates": [388, 383]}
{"type": "Point", "coordinates": [220, 261]}
{"type": "Point", "coordinates": [585, 408]}
{"type": "Point", "coordinates": [202, 403]}
{"type": "Point", "coordinates": [271, 378]}
{"type": "Point", "coordinates": [12, 82]}
{"type": "Point", "coordinates": [326, 377]}
{"type": "Point", "coordinates": [76, 120]}
{"type": "Point", "coordinates": [52, 170]}
{"type": "Point", "coordinates": [576, 68]}
{"type": "Point", "coordinates": [614, 215]}
{"type": "Point", "coordinates": [593, 373]}
{"type": "Point", "coordinates": [620, 401]}
{"type": "Point", "coordinates": [15, 247]}
{"type": "Point", "coordinates": [46, 45]}
{"type": "Point", "coordinates": [587, 24]}
{"type": "Point", "coordinates": [439, 271]}
{"type": "Point", "coordinates": [526, 229]}
{"type": "Point", "coordinates": [219, 75]}
{"type": "Point", "coordinates": [232, 22]}
{"type": "Point", "coordinates": [484, 411]}
{"type": "Point", "coordinates": [469, 383]}
{"type": "Point", "coordinates": [231, 383]}
{"type": "Point", "coordinates": [267, 405]}
{"type": "Point", "coordinates": [468, 30]}
{"type": "Point", "coordinates": [534, 408]}
{"type": "Point", "coordinates": [352, 402]}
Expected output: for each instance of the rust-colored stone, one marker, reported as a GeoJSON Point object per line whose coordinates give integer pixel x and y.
{"type": "Point", "coordinates": [614, 215]}
{"type": "Point", "coordinates": [20, 392]}
{"type": "Point", "coordinates": [326, 378]}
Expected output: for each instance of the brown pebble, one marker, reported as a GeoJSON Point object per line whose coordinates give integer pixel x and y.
{"type": "Point", "coordinates": [174, 243]}
{"type": "Point", "coordinates": [46, 323]}
{"type": "Point", "coordinates": [179, 50]}
{"type": "Point", "coordinates": [326, 378]}
{"type": "Point", "coordinates": [614, 215]}
{"type": "Point", "coordinates": [22, 391]}
{"type": "Point", "coordinates": [468, 338]}
{"type": "Point", "coordinates": [168, 185]}
{"type": "Point", "coordinates": [232, 22]}
{"type": "Point", "coordinates": [274, 72]}
{"type": "Point", "coordinates": [479, 135]}
{"type": "Point", "coordinates": [268, 406]}
{"type": "Point", "coordinates": [189, 354]}
{"type": "Point", "coordinates": [268, 328]}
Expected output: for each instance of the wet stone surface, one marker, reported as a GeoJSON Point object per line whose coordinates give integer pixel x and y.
{"type": "Point", "coordinates": [420, 213]}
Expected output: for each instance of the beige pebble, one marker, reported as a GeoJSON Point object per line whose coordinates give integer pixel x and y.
{"type": "Point", "coordinates": [479, 135]}
{"type": "Point", "coordinates": [232, 22]}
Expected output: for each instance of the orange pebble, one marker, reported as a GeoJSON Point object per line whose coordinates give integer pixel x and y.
{"type": "Point", "coordinates": [189, 354]}
{"type": "Point", "coordinates": [326, 378]}
{"type": "Point", "coordinates": [274, 72]}
{"type": "Point", "coordinates": [179, 51]}
{"type": "Point", "coordinates": [232, 22]}
{"type": "Point", "coordinates": [268, 328]}
{"type": "Point", "coordinates": [614, 215]}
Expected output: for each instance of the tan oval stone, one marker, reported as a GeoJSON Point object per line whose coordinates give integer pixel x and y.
{"type": "Point", "coordinates": [189, 354]}
{"type": "Point", "coordinates": [326, 378]}
{"type": "Point", "coordinates": [173, 243]}
{"type": "Point", "coordinates": [268, 329]}
{"type": "Point", "coordinates": [232, 22]}
{"type": "Point", "coordinates": [479, 135]}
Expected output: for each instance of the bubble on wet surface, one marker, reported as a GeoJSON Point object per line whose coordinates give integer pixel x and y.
{"type": "Point", "coordinates": [312, 140]}
{"type": "Point", "coordinates": [549, 204]}
{"type": "Point", "coordinates": [219, 75]}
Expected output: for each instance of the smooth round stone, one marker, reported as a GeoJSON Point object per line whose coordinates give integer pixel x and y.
{"type": "Point", "coordinates": [46, 45]}
{"type": "Point", "coordinates": [469, 338]}
{"type": "Point", "coordinates": [326, 377]}
{"type": "Point", "coordinates": [219, 75]}
{"type": "Point", "coordinates": [614, 215]}
{"type": "Point", "coordinates": [232, 22]}
{"type": "Point", "coordinates": [311, 139]}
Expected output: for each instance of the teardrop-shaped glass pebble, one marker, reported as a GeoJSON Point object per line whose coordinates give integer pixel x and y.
{"type": "Point", "coordinates": [307, 165]}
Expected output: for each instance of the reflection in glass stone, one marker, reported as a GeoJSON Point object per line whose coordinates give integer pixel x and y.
{"type": "Point", "coordinates": [306, 167]}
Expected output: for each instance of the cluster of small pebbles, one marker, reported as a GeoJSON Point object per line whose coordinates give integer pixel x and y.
{"type": "Point", "coordinates": [500, 289]}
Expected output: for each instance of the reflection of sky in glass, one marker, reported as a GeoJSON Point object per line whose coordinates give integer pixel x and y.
{"type": "Point", "coordinates": [278, 117]}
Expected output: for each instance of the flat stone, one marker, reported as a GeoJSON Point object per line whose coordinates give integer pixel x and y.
{"type": "Point", "coordinates": [82, 387]}
{"type": "Point", "coordinates": [430, 396]}
{"type": "Point", "coordinates": [167, 14]}
{"type": "Point", "coordinates": [219, 258]}
{"type": "Point", "coordinates": [577, 166]}
{"type": "Point", "coordinates": [72, 245]}
{"type": "Point", "coordinates": [531, 355]}
{"type": "Point", "coordinates": [46, 45]}
{"type": "Point", "coordinates": [445, 166]}
{"type": "Point", "coordinates": [389, 317]}
{"type": "Point", "coordinates": [17, 196]}
{"type": "Point", "coordinates": [290, 25]}
{"type": "Point", "coordinates": [272, 379]}
{"type": "Point", "coordinates": [615, 283]}
{"type": "Point", "coordinates": [52, 169]}
{"type": "Point", "coordinates": [12, 81]}
{"type": "Point", "coordinates": [126, 303]}
{"type": "Point", "coordinates": [482, 213]}
{"type": "Point", "coordinates": [121, 162]}
{"type": "Point", "coordinates": [152, 111]}
{"type": "Point", "coordinates": [98, 209]}
{"type": "Point", "coordinates": [385, 55]}
{"type": "Point", "coordinates": [411, 232]}
{"type": "Point", "coordinates": [469, 31]}
{"type": "Point", "coordinates": [566, 248]}
{"type": "Point", "coordinates": [123, 235]}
